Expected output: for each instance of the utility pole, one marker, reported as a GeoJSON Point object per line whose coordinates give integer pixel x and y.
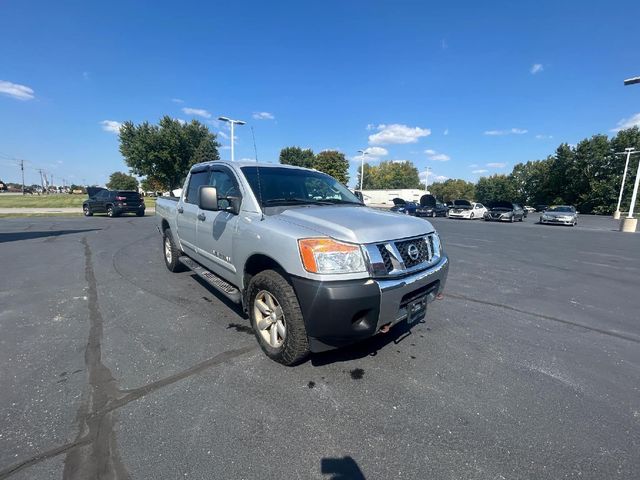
{"type": "Point", "coordinates": [41, 181]}
{"type": "Point", "coordinates": [22, 168]}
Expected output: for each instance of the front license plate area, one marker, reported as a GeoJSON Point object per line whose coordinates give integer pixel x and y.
{"type": "Point", "coordinates": [416, 310]}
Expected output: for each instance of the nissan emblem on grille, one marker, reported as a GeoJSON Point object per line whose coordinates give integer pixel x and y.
{"type": "Point", "coordinates": [413, 252]}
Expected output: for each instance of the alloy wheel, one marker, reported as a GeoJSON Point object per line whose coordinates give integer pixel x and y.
{"type": "Point", "coordinates": [269, 319]}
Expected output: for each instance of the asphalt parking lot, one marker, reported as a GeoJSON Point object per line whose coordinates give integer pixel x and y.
{"type": "Point", "coordinates": [112, 367]}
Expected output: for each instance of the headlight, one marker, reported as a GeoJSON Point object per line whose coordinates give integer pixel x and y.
{"type": "Point", "coordinates": [546, 217]}
{"type": "Point", "coordinates": [325, 255]}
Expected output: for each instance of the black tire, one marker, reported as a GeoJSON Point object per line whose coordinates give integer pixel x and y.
{"type": "Point", "coordinates": [433, 214]}
{"type": "Point", "coordinates": [512, 218]}
{"type": "Point", "coordinates": [140, 213]}
{"type": "Point", "coordinates": [86, 209]}
{"type": "Point", "coordinates": [171, 253]}
{"type": "Point", "coordinates": [471, 216]}
{"type": "Point", "coordinates": [295, 345]}
{"type": "Point", "coordinates": [110, 212]}
{"type": "Point", "coordinates": [522, 219]}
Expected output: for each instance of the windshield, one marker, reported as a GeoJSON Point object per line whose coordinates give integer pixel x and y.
{"type": "Point", "coordinates": [561, 209]}
{"type": "Point", "coordinates": [289, 186]}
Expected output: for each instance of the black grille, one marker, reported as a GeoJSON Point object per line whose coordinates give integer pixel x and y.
{"type": "Point", "coordinates": [423, 252]}
{"type": "Point", "coordinates": [385, 257]}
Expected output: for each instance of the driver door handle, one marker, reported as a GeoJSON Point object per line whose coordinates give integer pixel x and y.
{"type": "Point", "coordinates": [202, 217]}
{"type": "Point", "coordinates": [180, 209]}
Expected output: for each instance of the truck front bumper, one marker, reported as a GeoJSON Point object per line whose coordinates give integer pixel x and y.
{"type": "Point", "coordinates": [339, 313]}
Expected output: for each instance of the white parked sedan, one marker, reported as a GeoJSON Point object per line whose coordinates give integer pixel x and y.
{"type": "Point", "coordinates": [466, 209]}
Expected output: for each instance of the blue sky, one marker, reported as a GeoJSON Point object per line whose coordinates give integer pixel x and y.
{"type": "Point", "coordinates": [466, 88]}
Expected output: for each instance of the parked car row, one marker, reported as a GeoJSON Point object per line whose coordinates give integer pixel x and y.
{"type": "Point", "coordinates": [501, 211]}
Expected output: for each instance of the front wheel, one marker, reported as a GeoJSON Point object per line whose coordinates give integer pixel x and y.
{"type": "Point", "coordinates": [171, 253]}
{"type": "Point", "coordinates": [512, 219]}
{"type": "Point", "coordinates": [87, 211]}
{"type": "Point", "coordinates": [276, 318]}
{"type": "Point", "coordinates": [433, 214]}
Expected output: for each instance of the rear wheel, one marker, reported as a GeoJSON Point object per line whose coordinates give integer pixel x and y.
{"type": "Point", "coordinates": [140, 213]}
{"type": "Point", "coordinates": [171, 253]}
{"type": "Point", "coordinates": [276, 318]}
{"type": "Point", "coordinates": [87, 211]}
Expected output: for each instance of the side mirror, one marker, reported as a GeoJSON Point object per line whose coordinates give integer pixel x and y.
{"type": "Point", "coordinates": [208, 198]}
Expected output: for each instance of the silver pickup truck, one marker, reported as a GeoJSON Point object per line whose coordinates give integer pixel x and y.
{"type": "Point", "coordinates": [311, 265]}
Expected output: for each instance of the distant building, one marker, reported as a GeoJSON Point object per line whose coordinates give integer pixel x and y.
{"type": "Point", "coordinates": [385, 197]}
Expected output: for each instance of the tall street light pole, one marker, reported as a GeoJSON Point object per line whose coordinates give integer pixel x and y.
{"type": "Point", "coordinates": [629, 223]}
{"type": "Point", "coordinates": [362, 154]}
{"type": "Point", "coordinates": [232, 122]}
{"type": "Point", "coordinates": [426, 180]}
{"type": "Point", "coordinates": [628, 152]}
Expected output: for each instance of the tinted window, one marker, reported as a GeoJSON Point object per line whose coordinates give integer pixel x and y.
{"type": "Point", "coordinates": [225, 184]}
{"type": "Point", "coordinates": [103, 195]}
{"type": "Point", "coordinates": [289, 186]}
{"type": "Point", "coordinates": [197, 180]}
{"type": "Point", "coordinates": [130, 196]}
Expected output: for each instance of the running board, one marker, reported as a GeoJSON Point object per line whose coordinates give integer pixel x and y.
{"type": "Point", "coordinates": [224, 287]}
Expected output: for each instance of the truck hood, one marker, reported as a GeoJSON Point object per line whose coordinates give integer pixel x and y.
{"type": "Point", "coordinates": [356, 224]}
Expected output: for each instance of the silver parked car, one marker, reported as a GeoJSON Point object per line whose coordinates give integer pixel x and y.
{"type": "Point", "coordinates": [560, 215]}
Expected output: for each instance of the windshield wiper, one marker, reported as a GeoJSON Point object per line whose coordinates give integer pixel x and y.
{"type": "Point", "coordinates": [292, 201]}
{"type": "Point", "coordinates": [340, 201]}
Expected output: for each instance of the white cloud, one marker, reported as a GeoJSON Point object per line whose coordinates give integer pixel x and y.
{"type": "Point", "coordinates": [400, 161]}
{"type": "Point", "coordinates": [543, 137]}
{"type": "Point", "coordinates": [263, 116]}
{"type": "Point", "coordinates": [438, 157]}
{"type": "Point", "coordinates": [536, 68]}
{"type": "Point", "coordinates": [200, 112]}
{"type": "Point", "coordinates": [177, 100]}
{"type": "Point", "coordinates": [397, 133]}
{"type": "Point", "coordinates": [246, 159]}
{"type": "Point", "coordinates": [473, 165]}
{"type": "Point", "coordinates": [225, 147]}
{"type": "Point", "coordinates": [633, 121]}
{"type": "Point", "coordinates": [181, 121]}
{"type": "Point", "coordinates": [223, 135]}
{"type": "Point", "coordinates": [440, 178]}
{"type": "Point", "coordinates": [480, 171]}
{"type": "Point", "coordinates": [496, 165]}
{"type": "Point", "coordinates": [370, 126]}
{"type": "Point", "coordinates": [111, 126]}
{"type": "Point", "coordinates": [512, 131]}
{"type": "Point", "coordinates": [17, 91]}
{"type": "Point", "coordinates": [446, 131]}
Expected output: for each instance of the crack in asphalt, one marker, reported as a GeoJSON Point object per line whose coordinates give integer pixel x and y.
{"type": "Point", "coordinates": [610, 333]}
{"type": "Point", "coordinates": [100, 459]}
{"type": "Point", "coordinates": [94, 454]}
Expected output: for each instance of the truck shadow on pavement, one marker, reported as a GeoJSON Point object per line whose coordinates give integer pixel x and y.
{"type": "Point", "coordinates": [365, 348]}
{"type": "Point", "coordinates": [344, 468]}
{"type": "Point", "coordinates": [17, 236]}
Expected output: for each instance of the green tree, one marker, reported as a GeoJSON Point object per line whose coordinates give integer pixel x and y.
{"type": "Point", "coordinates": [151, 184]}
{"type": "Point", "coordinates": [166, 151]}
{"type": "Point", "coordinates": [495, 188]}
{"type": "Point", "coordinates": [390, 175]}
{"type": "Point", "coordinates": [333, 163]}
{"type": "Point", "coordinates": [122, 181]}
{"type": "Point", "coordinates": [297, 156]}
{"type": "Point", "coordinates": [452, 189]}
